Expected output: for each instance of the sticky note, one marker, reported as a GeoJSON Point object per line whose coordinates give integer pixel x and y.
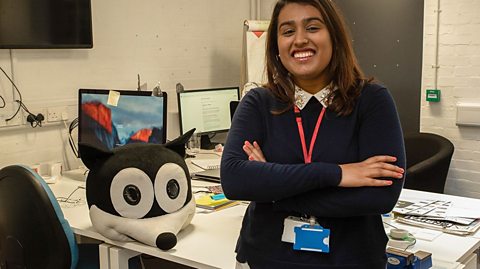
{"type": "Point", "coordinates": [218, 196]}
{"type": "Point", "coordinates": [113, 98]}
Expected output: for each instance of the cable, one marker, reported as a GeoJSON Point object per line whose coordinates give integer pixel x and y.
{"type": "Point", "coordinates": [11, 81]}
{"type": "Point", "coordinates": [19, 94]}
{"type": "Point", "coordinates": [34, 120]}
{"type": "Point", "coordinates": [67, 201]}
{"type": "Point", "coordinates": [413, 242]}
{"type": "Point", "coordinates": [390, 225]}
{"type": "Point", "coordinates": [31, 118]}
{"type": "Point", "coordinates": [70, 128]}
{"type": "Point", "coordinates": [3, 100]}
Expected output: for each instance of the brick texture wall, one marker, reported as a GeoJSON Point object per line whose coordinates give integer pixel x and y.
{"type": "Point", "coordinates": [459, 80]}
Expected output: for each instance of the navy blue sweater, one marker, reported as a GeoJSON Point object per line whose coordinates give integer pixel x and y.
{"type": "Point", "coordinates": [285, 185]}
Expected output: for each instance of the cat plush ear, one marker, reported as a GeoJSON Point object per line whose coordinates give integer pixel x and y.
{"type": "Point", "coordinates": [178, 144]}
{"type": "Point", "coordinates": [92, 155]}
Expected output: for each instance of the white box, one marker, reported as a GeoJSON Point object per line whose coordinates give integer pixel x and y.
{"type": "Point", "coordinates": [468, 114]}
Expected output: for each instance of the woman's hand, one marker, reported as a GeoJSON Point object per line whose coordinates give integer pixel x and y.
{"type": "Point", "coordinates": [366, 173]}
{"type": "Point", "coordinates": [253, 151]}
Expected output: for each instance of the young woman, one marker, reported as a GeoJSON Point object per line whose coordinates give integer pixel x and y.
{"type": "Point", "coordinates": [319, 141]}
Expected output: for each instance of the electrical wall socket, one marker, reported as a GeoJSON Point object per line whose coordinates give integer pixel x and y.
{"type": "Point", "coordinates": [35, 112]}
{"type": "Point", "coordinates": [58, 113]}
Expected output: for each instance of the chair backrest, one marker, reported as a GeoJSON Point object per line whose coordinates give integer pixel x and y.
{"type": "Point", "coordinates": [233, 107]}
{"type": "Point", "coordinates": [428, 161]}
{"type": "Point", "coordinates": [33, 231]}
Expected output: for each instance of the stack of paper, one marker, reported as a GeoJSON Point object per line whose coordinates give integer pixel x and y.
{"type": "Point", "coordinates": [214, 201]}
{"type": "Point", "coordinates": [435, 214]}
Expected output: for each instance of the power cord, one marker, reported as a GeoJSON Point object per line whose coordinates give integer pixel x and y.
{"type": "Point", "coordinates": [70, 128]}
{"type": "Point", "coordinates": [34, 120]}
{"type": "Point", "coordinates": [31, 118]}
{"type": "Point", "coordinates": [3, 101]}
{"type": "Point", "coordinates": [70, 202]}
{"type": "Point", "coordinates": [211, 135]}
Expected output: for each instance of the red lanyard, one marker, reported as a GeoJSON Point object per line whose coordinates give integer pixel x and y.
{"type": "Point", "coordinates": [307, 156]}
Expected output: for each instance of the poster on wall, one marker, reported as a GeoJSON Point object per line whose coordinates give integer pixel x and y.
{"type": "Point", "coordinates": [253, 54]}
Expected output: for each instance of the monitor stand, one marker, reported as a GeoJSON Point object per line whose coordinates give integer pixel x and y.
{"type": "Point", "coordinates": [205, 142]}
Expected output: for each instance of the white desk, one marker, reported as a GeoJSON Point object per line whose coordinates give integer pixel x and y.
{"type": "Point", "coordinates": [210, 240]}
{"type": "Point", "coordinates": [446, 247]}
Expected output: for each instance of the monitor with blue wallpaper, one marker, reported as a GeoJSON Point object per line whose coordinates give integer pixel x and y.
{"type": "Point", "coordinates": [112, 118]}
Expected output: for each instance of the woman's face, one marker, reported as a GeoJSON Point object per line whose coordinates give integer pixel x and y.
{"type": "Point", "coordinates": [304, 45]}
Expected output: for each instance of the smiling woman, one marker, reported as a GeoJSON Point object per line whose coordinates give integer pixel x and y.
{"type": "Point", "coordinates": [319, 30]}
{"type": "Point", "coordinates": [319, 145]}
{"type": "Point", "coordinates": [304, 46]}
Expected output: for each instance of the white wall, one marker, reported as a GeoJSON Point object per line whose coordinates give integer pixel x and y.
{"type": "Point", "coordinates": [197, 43]}
{"type": "Point", "coordinates": [459, 80]}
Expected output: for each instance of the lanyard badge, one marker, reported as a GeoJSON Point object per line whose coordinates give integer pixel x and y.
{"type": "Point", "coordinates": [306, 235]}
{"type": "Point", "coordinates": [312, 236]}
{"type": "Point", "coordinates": [307, 156]}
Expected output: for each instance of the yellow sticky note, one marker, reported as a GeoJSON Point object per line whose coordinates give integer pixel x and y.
{"type": "Point", "coordinates": [113, 98]}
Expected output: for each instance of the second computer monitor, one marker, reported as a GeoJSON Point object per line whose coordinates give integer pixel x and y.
{"type": "Point", "coordinates": [207, 110]}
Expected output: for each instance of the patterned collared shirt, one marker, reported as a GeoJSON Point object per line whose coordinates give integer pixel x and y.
{"type": "Point", "coordinates": [302, 97]}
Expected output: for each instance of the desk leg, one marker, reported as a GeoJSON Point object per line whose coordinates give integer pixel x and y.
{"type": "Point", "coordinates": [119, 257]}
{"type": "Point", "coordinates": [104, 255]}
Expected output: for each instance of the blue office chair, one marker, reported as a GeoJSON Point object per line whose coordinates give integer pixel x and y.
{"type": "Point", "coordinates": [33, 231]}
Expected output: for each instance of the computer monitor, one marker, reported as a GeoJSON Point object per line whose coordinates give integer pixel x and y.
{"type": "Point", "coordinates": [207, 110]}
{"type": "Point", "coordinates": [112, 118]}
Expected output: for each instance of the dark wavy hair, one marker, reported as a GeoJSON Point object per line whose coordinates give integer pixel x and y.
{"type": "Point", "coordinates": [343, 68]}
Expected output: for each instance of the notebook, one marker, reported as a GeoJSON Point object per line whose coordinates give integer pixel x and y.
{"type": "Point", "coordinates": [193, 169]}
{"type": "Point", "coordinates": [207, 164]}
{"type": "Point", "coordinates": [211, 175]}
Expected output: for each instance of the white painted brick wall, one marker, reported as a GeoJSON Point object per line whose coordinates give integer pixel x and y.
{"type": "Point", "coordinates": [459, 80]}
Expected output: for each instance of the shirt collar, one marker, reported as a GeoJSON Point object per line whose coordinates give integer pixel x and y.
{"type": "Point", "coordinates": [302, 97]}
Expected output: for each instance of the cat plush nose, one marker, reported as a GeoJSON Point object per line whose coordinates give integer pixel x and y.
{"type": "Point", "coordinates": [166, 241]}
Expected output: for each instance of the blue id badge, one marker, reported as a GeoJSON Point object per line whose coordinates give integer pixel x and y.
{"type": "Point", "coordinates": [312, 238]}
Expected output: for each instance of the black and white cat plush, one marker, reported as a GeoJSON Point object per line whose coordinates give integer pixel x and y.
{"type": "Point", "coordinates": [140, 191]}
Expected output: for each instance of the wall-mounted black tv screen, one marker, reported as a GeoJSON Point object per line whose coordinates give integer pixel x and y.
{"type": "Point", "coordinates": [42, 24]}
